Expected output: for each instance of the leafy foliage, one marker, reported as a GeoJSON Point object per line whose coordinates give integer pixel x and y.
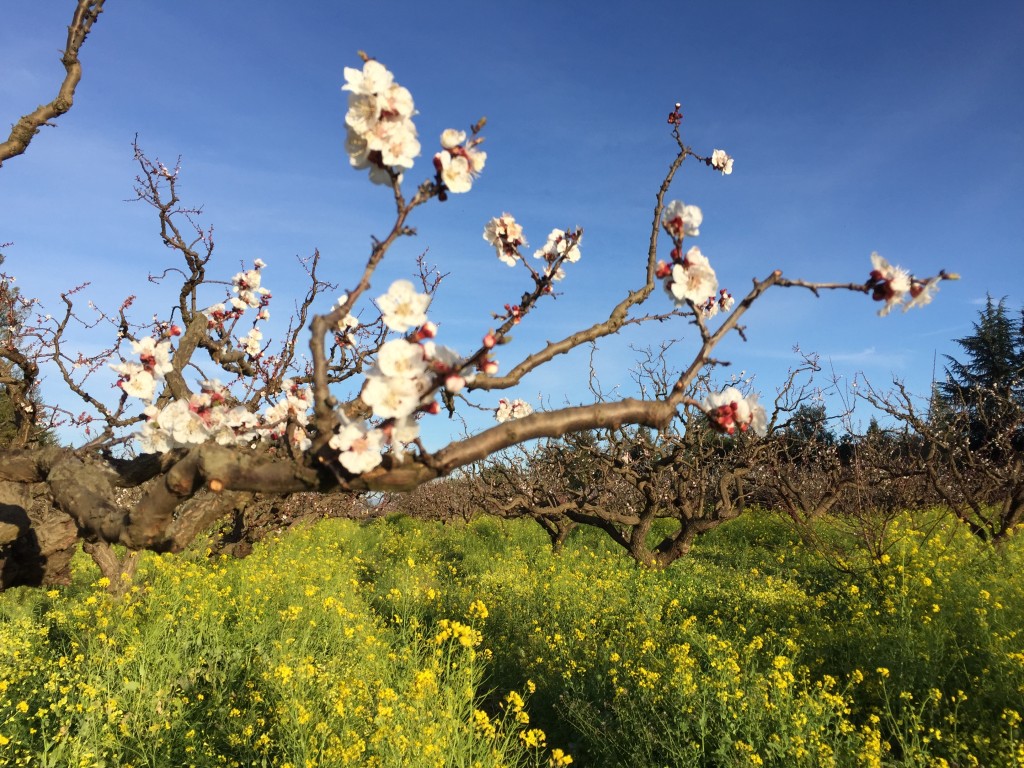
{"type": "Point", "coordinates": [989, 384]}
{"type": "Point", "coordinates": [407, 643]}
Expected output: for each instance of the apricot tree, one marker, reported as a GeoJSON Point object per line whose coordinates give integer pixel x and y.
{"type": "Point", "coordinates": [206, 412]}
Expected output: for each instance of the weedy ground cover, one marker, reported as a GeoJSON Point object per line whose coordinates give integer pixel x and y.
{"type": "Point", "coordinates": [407, 643]}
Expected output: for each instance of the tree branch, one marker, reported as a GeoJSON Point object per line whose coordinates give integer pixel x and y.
{"type": "Point", "coordinates": [28, 126]}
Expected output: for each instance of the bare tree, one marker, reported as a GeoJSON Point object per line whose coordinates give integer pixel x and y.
{"type": "Point", "coordinates": [653, 492]}
{"type": "Point", "coordinates": [446, 500]}
{"type": "Point", "coordinates": [980, 482]}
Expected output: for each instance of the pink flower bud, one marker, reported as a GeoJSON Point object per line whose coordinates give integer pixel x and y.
{"type": "Point", "coordinates": [175, 330]}
{"type": "Point", "coordinates": [426, 331]}
{"type": "Point", "coordinates": [490, 340]}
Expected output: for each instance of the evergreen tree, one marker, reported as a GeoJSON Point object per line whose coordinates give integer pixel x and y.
{"type": "Point", "coordinates": [988, 387]}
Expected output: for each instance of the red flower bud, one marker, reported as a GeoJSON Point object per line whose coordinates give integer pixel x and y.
{"type": "Point", "coordinates": [427, 331]}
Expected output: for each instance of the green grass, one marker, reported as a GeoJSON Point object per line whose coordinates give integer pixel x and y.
{"type": "Point", "coordinates": [406, 643]}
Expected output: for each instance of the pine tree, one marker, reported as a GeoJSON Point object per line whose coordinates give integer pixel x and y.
{"type": "Point", "coordinates": [989, 386]}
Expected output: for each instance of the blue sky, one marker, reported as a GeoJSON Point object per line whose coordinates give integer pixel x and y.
{"type": "Point", "coordinates": [855, 127]}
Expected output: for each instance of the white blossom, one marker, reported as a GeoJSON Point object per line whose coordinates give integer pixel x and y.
{"type": "Point", "coordinates": [372, 79]}
{"type": "Point", "coordinates": [693, 280]}
{"type": "Point", "coordinates": [140, 379]}
{"type": "Point", "coordinates": [380, 131]}
{"type": "Point", "coordinates": [359, 447]}
{"type": "Point", "coordinates": [251, 342]}
{"type": "Point", "coordinates": [455, 172]}
{"type": "Point", "coordinates": [729, 409]}
{"type": "Point", "coordinates": [401, 358]}
{"type": "Point", "coordinates": [888, 283]}
{"type": "Point", "coordinates": [681, 220]}
{"type": "Point", "coordinates": [511, 409]}
{"type": "Point", "coordinates": [921, 293]}
{"type": "Point", "coordinates": [152, 439]}
{"type": "Point", "coordinates": [390, 397]}
{"type": "Point", "coordinates": [451, 138]}
{"type": "Point", "coordinates": [441, 358]}
{"type": "Point", "coordinates": [398, 147]}
{"type": "Point", "coordinates": [183, 421]}
{"type": "Point", "coordinates": [506, 236]}
{"type": "Point", "coordinates": [349, 322]}
{"type": "Point", "coordinates": [250, 292]}
{"type": "Point", "coordinates": [721, 161]}
{"type": "Point", "coordinates": [155, 356]}
{"type": "Point", "coordinates": [725, 300]}
{"type": "Point", "coordinates": [136, 381]}
{"type": "Point", "coordinates": [300, 439]}
{"type": "Point", "coordinates": [404, 430]}
{"type": "Point", "coordinates": [402, 307]}
{"type": "Point", "coordinates": [559, 244]}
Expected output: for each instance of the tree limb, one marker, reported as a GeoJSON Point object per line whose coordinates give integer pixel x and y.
{"type": "Point", "coordinates": [28, 126]}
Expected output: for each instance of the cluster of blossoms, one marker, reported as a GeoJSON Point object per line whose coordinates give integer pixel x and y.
{"type": "Point", "coordinates": [689, 279]}
{"type": "Point", "coordinates": [894, 285]}
{"type": "Point", "coordinates": [729, 410]}
{"type": "Point", "coordinates": [506, 236]}
{"type": "Point", "coordinates": [208, 416]}
{"type": "Point", "coordinates": [219, 314]}
{"type": "Point", "coordinates": [381, 134]}
{"type": "Point", "coordinates": [723, 302]}
{"type": "Point", "coordinates": [721, 161]}
{"type": "Point", "coordinates": [140, 379]}
{"type": "Point", "coordinates": [561, 247]}
{"type": "Point", "coordinates": [459, 161]}
{"type": "Point", "coordinates": [405, 372]}
{"type": "Point", "coordinates": [293, 408]}
{"type": "Point", "coordinates": [203, 417]}
{"type": "Point", "coordinates": [249, 293]}
{"type": "Point", "coordinates": [251, 342]}
{"type": "Point", "coordinates": [508, 410]}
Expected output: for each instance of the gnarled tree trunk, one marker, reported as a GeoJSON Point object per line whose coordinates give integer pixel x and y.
{"type": "Point", "coordinates": [37, 540]}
